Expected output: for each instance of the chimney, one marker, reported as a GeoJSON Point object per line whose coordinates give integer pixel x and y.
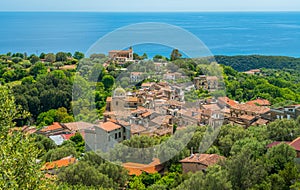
{"type": "Point", "coordinates": [192, 154]}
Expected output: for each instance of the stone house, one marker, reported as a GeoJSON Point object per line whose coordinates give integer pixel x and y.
{"type": "Point", "coordinates": [199, 162]}
{"type": "Point", "coordinates": [209, 83]}
{"type": "Point", "coordinates": [295, 144]}
{"type": "Point", "coordinates": [106, 136]}
{"type": "Point", "coordinates": [246, 114]}
{"type": "Point", "coordinates": [121, 55]}
{"type": "Point", "coordinates": [286, 112]}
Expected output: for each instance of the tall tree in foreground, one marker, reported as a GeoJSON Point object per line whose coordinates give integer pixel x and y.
{"type": "Point", "coordinates": [18, 153]}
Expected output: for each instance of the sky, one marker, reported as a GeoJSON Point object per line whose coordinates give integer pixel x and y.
{"type": "Point", "coordinates": [149, 5]}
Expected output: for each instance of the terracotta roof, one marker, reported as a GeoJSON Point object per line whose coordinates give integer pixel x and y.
{"type": "Point", "coordinates": [137, 129]}
{"type": "Point", "coordinates": [124, 123]}
{"type": "Point", "coordinates": [260, 102]}
{"type": "Point", "coordinates": [59, 163]}
{"type": "Point", "coordinates": [148, 84]}
{"type": "Point", "coordinates": [139, 110]}
{"type": "Point", "coordinates": [247, 117]}
{"type": "Point", "coordinates": [162, 132]}
{"type": "Point", "coordinates": [227, 101]}
{"type": "Point", "coordinates": [75, 126]}
{"type": "Point", "coordinates": [159, 119]}
{"type": "Point", "coordinates": [146, 114]}
{"type": "Point", "coordinates": [276, 143]}
{"type": "Point", "coordinates": [249, 72]}
{"type": "Point", "coordinates": [296, 144]}
{"type": "Point", "coordinates": [109, 126]}
{"type": "Point", "coordinates": [132, 99]}
{"type": "Point", "coordinates": [120, 51]}
{"type": "Point", "coordinates": [175, 103]}
{"type": "Point", "coordinates": [67, 136]}
{"type": "Point", "coordinates": [207, 112]}
{"type": "Point", "coordinates": [251, 108]}
{"type": "Point", "coordinates": [108, 99]}
{"type": "Point", "coordinates": [226, 110]}
{"type": "Point", "coordinates": [25, 127]}
{"type": "Point", "coordinates": [136, 73]}
{"type": "Point", "coordinates": [138, 169]}
{"type": "Point", "coordinates": [53, 127]}
{"type": "Point", "coordinates": [262, 122]}
{"type": "Point", "coordinates": [211, 78]}
{"type": "Point", "coordinates": [112, 113]}
{"type": "Point", "coordinates": [29, 130]}
{"type": "Point", "coordinates": [191, 112]}
{"type": "Point", "coordinates": [49, 176]}
{"type": "Point", "coordinates": [255, 70]}
{"type": "Point", "coordinates": [167, 118]}
{"type": "Point", "coordinates": [205, 159]}
{"type": "Point", "coordinates": [161, 83]}
{"type": "Point", "coordinates": [212, 107]}
{"type": "Point", "coordinates": [68, 67]}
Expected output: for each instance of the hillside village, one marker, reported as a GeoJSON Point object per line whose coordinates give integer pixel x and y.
{"type": "Point", "coordinates": [145, 103]}
{"type": "Point", "coordinates": [158, 109]}
{"type": "Point", "coordinates": [158, 118]}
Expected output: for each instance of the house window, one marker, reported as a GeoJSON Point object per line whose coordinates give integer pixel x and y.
{"type": "Point", "coordinates": [119, 134]}
{"type": "Point", "coordinates": [116, 135]}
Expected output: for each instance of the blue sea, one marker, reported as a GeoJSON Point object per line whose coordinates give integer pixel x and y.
{"type": "Point", "coordinates": [224, 33]}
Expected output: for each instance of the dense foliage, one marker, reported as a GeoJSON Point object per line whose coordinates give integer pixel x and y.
{"type": "Point", "coordinates": [18, 152]}
{"type": "Point", "coordinates": [277, 86]}
{"type": "Point", "coordinates": [42, 86]}
{"type": "Point", "coordinates": [245, 63]}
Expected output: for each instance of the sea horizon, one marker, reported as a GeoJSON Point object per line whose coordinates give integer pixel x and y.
{"type": "Point", "coordinates": [179, 11]}
{"type": "Point", "coordinates": [270, 33]}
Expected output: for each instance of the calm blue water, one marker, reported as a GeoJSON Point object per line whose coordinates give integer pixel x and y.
{"type": "Point", "coordinates": [224, 33]}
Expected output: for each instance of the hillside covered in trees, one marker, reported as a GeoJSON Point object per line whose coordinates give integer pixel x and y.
{"type": "Point", "coordinates": [249, 163]}
{"type": "Point", "coordinates": [245, 63]}
{"type": "Point", "coordinates": [43, 84]}
{"type": "Point", "coordinates": [37, 90]}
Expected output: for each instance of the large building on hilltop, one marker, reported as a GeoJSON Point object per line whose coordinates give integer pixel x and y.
{"type": "Point", "coordinates": [121, 55]}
